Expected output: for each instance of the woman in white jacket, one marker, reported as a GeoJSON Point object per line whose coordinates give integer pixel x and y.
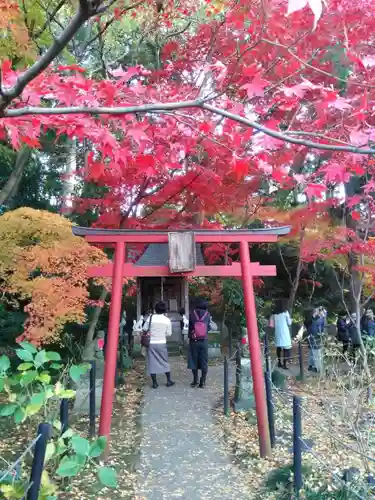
{"type": "Point", "coordinates": [281, 321]}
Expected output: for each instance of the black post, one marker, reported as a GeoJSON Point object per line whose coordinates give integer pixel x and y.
{"type": "Point", "coordinates": [230, 347]}
{"type": "Point", "coordinates": [238, 373]}
{"type": "Point", "coordinates": [300, 357]}
{"type": "Point", "coordinates": [271, 419]}
{"type": "Point", "coordinates": [64, 415]}
{"type": "Point", "coordinates": [297, 445]}
{"type": "Point", "coordinates": [92, 399]}
{"type": "Point", "coordinates": [266, 351]}
{"type": "Point", "coordinates": [44, 432]}
{"type": "Point", "coordinates": [121, 361]}
{"type": "Point", "coordinates": [226, 387]}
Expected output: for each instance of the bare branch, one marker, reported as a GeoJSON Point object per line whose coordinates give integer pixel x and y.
{"type": "Point", "coordinates": [51, 17]}
{"type": "Point", "coordinates": [285, 266]}
{"type": "Point", "coordinates": [198, 103]}
{"type": "Point", "coordinates": [110, 21]}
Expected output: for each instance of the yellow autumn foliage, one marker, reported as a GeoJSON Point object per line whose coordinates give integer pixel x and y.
{"type": "Point", "coordinates": [45, 265]}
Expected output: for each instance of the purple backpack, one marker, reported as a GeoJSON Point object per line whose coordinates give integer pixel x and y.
{"type": "Point", "coordinates": [200, 327]}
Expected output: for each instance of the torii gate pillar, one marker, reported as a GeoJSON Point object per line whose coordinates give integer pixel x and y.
{"type": "Point", "coordinates": [255, 351]}
{"type": "Point", "coordinates": [112, 341]}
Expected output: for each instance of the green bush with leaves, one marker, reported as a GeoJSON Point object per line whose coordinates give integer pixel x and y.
{"type": "Point", "coordinates": [35, 391]}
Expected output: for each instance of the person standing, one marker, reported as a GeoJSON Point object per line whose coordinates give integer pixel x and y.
{"type": "Point", "coordinates": [354, 336]}
{"type": "Point", "coordinates": [199, 322]}
{"type": "Point", "coordinates": [315, 330]}
{"type": "Point", "coordinates": [159, 327]}
{"type": "Point", "coordinates": [281, 321]}
{"type": "Point", "coordinates": [343, 331]}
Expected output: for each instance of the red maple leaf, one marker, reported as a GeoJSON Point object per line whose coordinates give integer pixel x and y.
{"type": "Point", "coordinates": [240, 168]}
{"type": "Point", "coordinates": [315, 190]}
{"type": "Point", "coordinates": [256, 87]}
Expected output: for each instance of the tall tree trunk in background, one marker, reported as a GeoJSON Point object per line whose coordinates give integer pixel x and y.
{"type": "Point", "coordinates": [68, 186]}
{"type": "Point", "coordinates": [93, 322]}
{"type": "Point", "coordinates": [11, 187]}
{"type": "Point", "coordinates": [293, 281]}
{"type": "Point", "coordinates": [356, 278]}
{"type": "Point", "coordinates": [295, 284]}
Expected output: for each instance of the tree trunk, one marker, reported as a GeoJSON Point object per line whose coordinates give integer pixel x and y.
{"type": "Point", "coordinates": [94, 321]}
{"type": "Point", "coordinates": [68, 186]}
{"type": "Point", "coordinates": [295, 283]}
{"type": "Point", "coordinates": [11, 186]}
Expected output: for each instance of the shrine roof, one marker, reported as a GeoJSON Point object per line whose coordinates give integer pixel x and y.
{"type": "Point", "coordinates": [157, 254]}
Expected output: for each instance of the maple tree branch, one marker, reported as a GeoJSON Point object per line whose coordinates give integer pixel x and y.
{"type": "Point", "coordinates": [181, 190]}
{"type": "Point", "coordinates": [50, 18]}
{"type": "Point", "coordinates": [285, 266]}
{"type": "Point", "coordinates": [110, 21]}
{"type": "Point", "coordinates": [170, 106]}
{"type": "Point", "coordinates": [318, 70]}
{"type": "Point", "coordinates": [53, 51]}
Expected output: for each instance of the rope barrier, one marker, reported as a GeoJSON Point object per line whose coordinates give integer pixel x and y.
{"type": "Point", "coordinates": [20, 458]}
{"type": "Point", "coordinates": [314, 454]}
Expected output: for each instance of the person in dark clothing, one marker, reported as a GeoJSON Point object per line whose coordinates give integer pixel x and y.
{"type": "Point", "coordinates": [314, 324]}
{"type": "Point", "coordinates": [343, 331]}
{"type": "Point", "coordinates": [198, 344]}
{"type": "Point", "coordinates": [368, 326]}
{"type": "Point", "coordinates": [354, 336]}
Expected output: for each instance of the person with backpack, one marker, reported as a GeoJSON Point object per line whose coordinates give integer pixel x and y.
{"type": "Point", "coordinates": [199, 323]}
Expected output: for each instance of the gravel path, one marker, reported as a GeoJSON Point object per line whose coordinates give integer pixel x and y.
{"type": "Point", "coordinates": [181, 456]}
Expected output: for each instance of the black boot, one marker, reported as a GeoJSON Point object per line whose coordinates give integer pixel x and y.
{"type": "Point", "coordinates": [154, 382]}
{"type": "Point", "coordinates": [169, 381]}
{"type": "Point", "coordinates": [195, 378]}
{"type": "Point", "coordinates": [202, 383]}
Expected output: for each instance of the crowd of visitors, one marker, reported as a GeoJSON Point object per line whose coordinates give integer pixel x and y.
{"type": "Point", "coordinates": [349, 333]}
{"type": "Point", "coordinates": [156, 327]}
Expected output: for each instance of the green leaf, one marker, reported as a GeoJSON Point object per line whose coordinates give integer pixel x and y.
{"type": "Point", "coordinates": [28, 377]}
{"type": "Point", "coordinates": [38, 398]}
{"type": "Point", "coordinates": [24, 355]}
{"type": "Point", "coordinates": [2, 384]}
{"type": "Point", "coordinates": [57, 425]}
{"type": "Point", "coordinates": [107, 476]}
{"type": "Point", "coordinates": [50, 451]}
{"type": "Point", "coordinates": [67, 394]}
{"type": "Point", "coordinates": [29, 347]}
{"type": "Point", "coordinates": [45, 378]}
{"type": "Point", "coordinates": [19, 415]}
{"type": "Point", "coordinates": [7, 410]}
{"type": "Point", "coordinates": [4, 363]}
{"type": "Point", "coordinates": [55, 366]}
{"type": "Point", "coordinates": [33, 409]}
{"type": "Point", "coordinates": [67, 434]}
{"type": "Point", "coordinates": [53, 356]}
{"type": "Point", "coordinates": [40, 358]}
{"type": "Point", "coordinates": [97, 447]}
{"type": "Point", "coordinates": [80, 445]}
{"type": "Point", "coordinates": [76, 371]}
{"type": "Point", "coordinates": [68, 467]}
{"type": "Point", "coordinates": [24, 366]}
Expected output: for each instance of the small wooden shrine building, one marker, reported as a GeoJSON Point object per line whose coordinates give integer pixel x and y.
{"type": "Point", "coordinates": [174, 291]}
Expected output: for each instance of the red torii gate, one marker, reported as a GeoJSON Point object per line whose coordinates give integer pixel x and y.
{"type": "Point", "coordinates": [119, 269]}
